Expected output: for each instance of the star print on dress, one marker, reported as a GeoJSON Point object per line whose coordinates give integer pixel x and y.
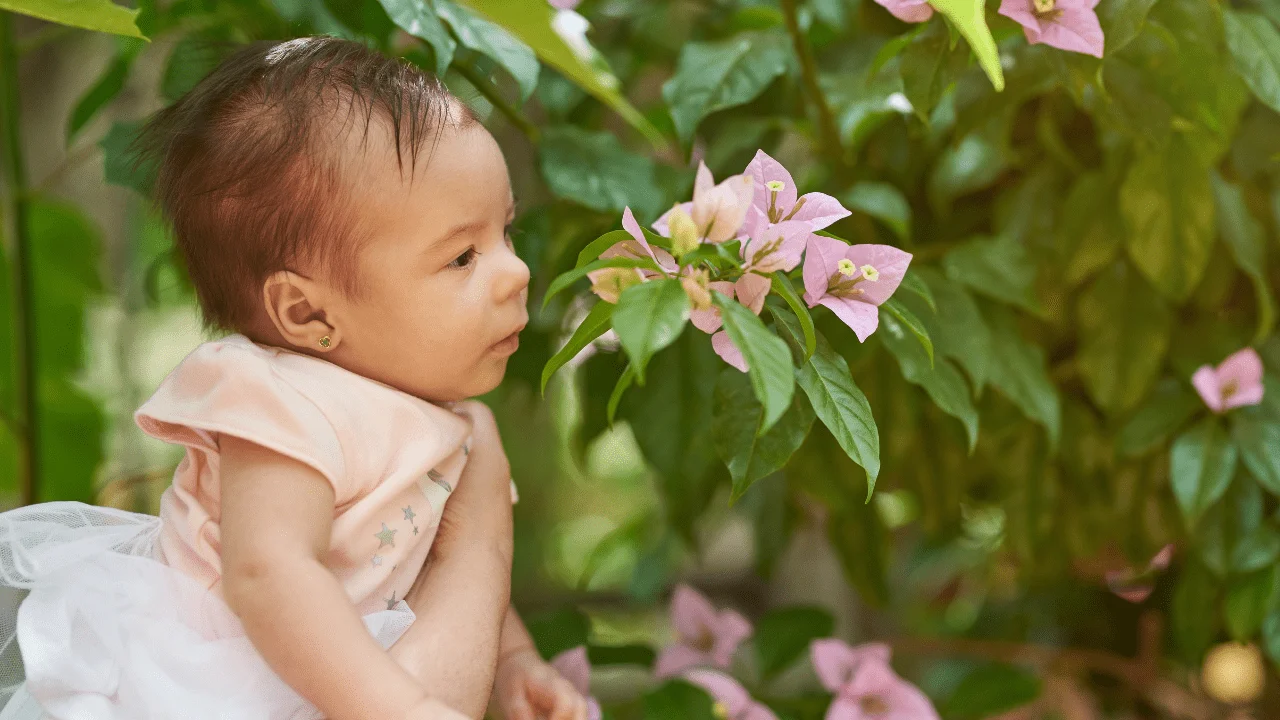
{"type": "Point", "coordinates": [386, 536]}
{"type": "Point", "coordinates": [391, 601]}
{"type": "Point", "coordinates": [438, 479]}
{"type": "Point", "coordinates": [409, 515]}
{"type": "Point", "coordinates": [466, 449]}
{"type": "Point", "coordinates": [377, 560]}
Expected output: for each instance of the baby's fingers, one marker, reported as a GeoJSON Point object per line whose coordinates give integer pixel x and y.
{"type": "Point", "coordinates": [559, 697]}
{"type": "Point", "coordinates": [517, 708]}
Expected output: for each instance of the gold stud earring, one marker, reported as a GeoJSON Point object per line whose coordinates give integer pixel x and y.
{"type": "Point", "coordinates": [325, 342]}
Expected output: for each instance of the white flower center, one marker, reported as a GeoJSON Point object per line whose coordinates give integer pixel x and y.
{"type": "Point", "coordinates": [870, 272]}
{"type": "Point", "coordinates": [846, 267]}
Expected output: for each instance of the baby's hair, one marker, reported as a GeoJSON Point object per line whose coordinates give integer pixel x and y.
{"type": "Point", "coordinates": [247, 171]}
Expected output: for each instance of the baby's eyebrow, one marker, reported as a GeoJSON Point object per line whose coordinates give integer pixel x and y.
{"type": "Point", "coordinates": [463, 229]}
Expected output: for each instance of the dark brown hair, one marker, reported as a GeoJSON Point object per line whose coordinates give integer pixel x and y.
{"type": "Point", "coordinates": [246, 168]}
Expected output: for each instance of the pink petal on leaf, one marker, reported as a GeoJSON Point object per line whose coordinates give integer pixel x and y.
{"type": "Point", "coordinates": [727, 351]}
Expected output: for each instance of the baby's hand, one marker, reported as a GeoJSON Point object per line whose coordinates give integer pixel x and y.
{"type": "Point", "coordinates": [431, 709]}
{"type": "Point", "coordinates": [527, 688]}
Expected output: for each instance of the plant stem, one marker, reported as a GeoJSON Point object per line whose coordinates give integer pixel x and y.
{"type": "Point", "coordinates": [490, 93]}
{"type": "Point", "coordinates": [809, 75]}
{"type": "Point", "coordinates": [23, 309]}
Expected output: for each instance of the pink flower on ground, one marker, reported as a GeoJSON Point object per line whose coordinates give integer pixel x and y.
{"type": "Point", "coordinates": [1137, 587]}
{"type": "Point", "coordinates": [865, 686]}
{"type": "Point", "coordinates": [912, 11]}
{"type": "Point", "coordinates": [717, 210]}
{"type": "Point", "coordinates": [733, 702]}
{"type": "Point", "coordinates": [707, 637]}
{"type": "Point", "coordinates": [852, 280]}
{"type": "Point", "coordinates": [609, 283]}
{"type": "Point", "coordinates": [1064, 24]}
{"type": "Point", "coordinates": [1235, 383]}
{"type": "Point", "coordinates": [775, 200]}
{"type": "Point", "coordinates": [750, 290]}
{"type": "Point", "coordinates": [574, 666]}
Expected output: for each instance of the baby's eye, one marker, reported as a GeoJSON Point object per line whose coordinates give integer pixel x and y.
{"type": "Point", "coordinates": [466, 258]}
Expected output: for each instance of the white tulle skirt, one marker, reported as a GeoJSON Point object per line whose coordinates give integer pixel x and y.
{"type": "Point", "coordinates": [108, 632]}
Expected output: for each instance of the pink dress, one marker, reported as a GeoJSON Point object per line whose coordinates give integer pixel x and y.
{"type": "Point", "coordinates": [125, 619]}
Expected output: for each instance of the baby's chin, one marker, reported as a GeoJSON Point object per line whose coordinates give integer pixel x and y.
{"type": "Point", "coordinates": [483, 380]}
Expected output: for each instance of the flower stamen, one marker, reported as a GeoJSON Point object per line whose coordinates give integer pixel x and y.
{"type": "Point", "coordinates": [846, 267]}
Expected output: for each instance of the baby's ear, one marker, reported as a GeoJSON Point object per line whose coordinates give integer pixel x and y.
{"type": "Point", "coordinates": [295, 305]}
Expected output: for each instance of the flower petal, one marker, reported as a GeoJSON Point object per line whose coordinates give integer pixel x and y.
{"type": "Point", "coordinates": [904, 700]}
{"type": "Point", "coordinates": [751, 290]}
{"type": "Point", "coordinates": [662, 225]}
{"type": "Point", "coordinates": [821, 260]}
{"type": "Point", "coordinates": [731, 628]}
{"type": "Point", "coordinates": [758, 712]}
{"type": "Point", "coordinates": [844, 709]}
{"type": "Point", "coordinates": [658, 255]}
{"type": "Point", "coordinates": [1022, 12]}
{"type": "Point", "coordinates": [1205, 381]}
{"type": "Point", "coordinates": [708, 321]}
{"type": "Point", "coordinates": [1244, 367]}
{"type": "Point", "coordinates": [889, 261]}
{"type": "Point", "coordinates": [819, 209]}
{"type": "Point", "coordinates": [911, 11]}
{"type": "Point", "coordinates": [862, 318]}
{"type": "Point", "coordinates": [833, 661]}
{"type": "Point", "coordinates": [786, 256]}
{"type": "Point", "coordinates": [692, 613]}
{"type": "Point", "coordinates": [732, 695]}
{"type": "Point", "coordinates": [763, 170]}
{"type": "Point", "coordinates": [574, 666]}
{"type": "Point", "coordinates": [593, 709]}
{"type": "Point", "coordinates": [727, 351]}
{"type": "Point", "coordinates": [1074, 29]}
{"type": "Point", "coordinates": [675, 659]}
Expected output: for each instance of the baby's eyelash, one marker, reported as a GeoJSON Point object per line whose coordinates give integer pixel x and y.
{"type": "Point", "coordinates": [467, 257]}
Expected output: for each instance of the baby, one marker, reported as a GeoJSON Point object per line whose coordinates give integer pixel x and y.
{"type": "Point", "coordinates": [346, 219]}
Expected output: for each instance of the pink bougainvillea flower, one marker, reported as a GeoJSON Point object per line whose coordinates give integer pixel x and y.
{"type": "Point", "coordinates": [707, 636]}
{"type": "Point", "coordinates": [609, 283]}
{"type": "Point", "coordinates": [717, 210]}
{"type": "Point", "coordinates": [574, 666]}
{"type": "Point", "coordinates": [1235, 383]}
{"type": "Point", "coordinates": [912, 11]}
{"type": "Point", "coordinates": [750, 290]}
{"type": "Point", "coordinates": [852, 280]}
{"type": "Point", "coordinates": [836, 662]}
{"type": "Point", "coordinates": [733, 702]}
{"type": "Point", "coordinates": [774, 199]}
{"type": "Point", "coordinates": [773, 247]}
{"type": "Point", "coordinates": [1064, 24]}
{"type": "Point", "coordinates": [864, 685]}
{"type": "Point", "coordinates": [1137, 587]}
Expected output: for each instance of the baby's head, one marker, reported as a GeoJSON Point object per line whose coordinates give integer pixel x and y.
{"type": "Point", "coordinates": [331, 200]}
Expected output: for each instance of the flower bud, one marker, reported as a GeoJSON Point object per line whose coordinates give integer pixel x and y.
{"type": "Point", "coordinates": [609, 283]}
{"type": "Point", "coordinates": [684, 233]}
{"type": "Point", "coordinates": [696, 286]}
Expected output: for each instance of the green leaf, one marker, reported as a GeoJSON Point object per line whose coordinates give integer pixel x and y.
{"type": "Point", "coordinates": [784, 634]}
{"type": "Point", "coordinates": [596, 323]}
{"type": "Point", "coordinates": [910, 322]}
{"type": "Point", "coordinates": [1258, 440]}
{"type": "Point", "coordinates": [713, 76]}
{"type": "Point", "coordinates": [944, 384]}
{"type": "Point", "coordinates": [641, 655]}
{"type": "Point", "coordinates": [1121, 21]}
{"type": "Point", "coordinates": [1202, 462]}
{"type": "Point", "coordinates": [649, 317]}
{"type": "Point", "coordinates": [749, 453]}
{"type": "Point", "coordinates": [1255, 45]}
{"type": "Point", "coordinates": [960, 331]}
{"type": "Point", "coordinates": [593, 169]}
{"type": "Point", "coordinates": [1246, 238]}
{"type": "Point", "coordinates": [531, 23]}
{"type": "Point", "coordinates": [99, 15]}
{"type": "Point", "coordinates": [1194, 614]}
{"type": "Point", "coordinates": [108, 86]}
{"type": "Point", "coordinates": [624, 383]}
{"type": "Point", "coordinates": [559, 630]}
{"type": "Point", "coordinates": [1167, 205]}
{"type": "Point", "coordinates": [912, 283]}
{"type": "Point", "coordinates": [990, 690]}
{"type": "Point", "coordinates": [1089, 233]}
{"type": "Point", "coordinates": [672, 421]}
{"type": "Point", "coordinates": [193, 57]}
{"type": "Point", "coordinates": [838, 402]}
{"type": "Point", "coordinates": [678, 699]}
{"type": "Point", "coordinates": [118, 161]}
{"type": "Point", "coordinates": [970, 19]}
{"type": "Point", "coordinates": [783, 287]}
{"type": "Point", "coordinates": [1271, 636]}
{"type": "Point", "coordinates": [493, 41]}
{"type": "Point", "coordinates": [1249, 599]}
{"type": "Point", "coordinates": [419, 19]}
{"type": "Point", "coordinates": [1019, 372]}
{"type": "Point", "coordinates": [883, 202]}
{"type": "Point", "coordinates": [998, 268]}
{"type": "Point", "coordinates": [930, 65]}
{"type": "Point", "coordinates": [768, 359]}
{"type": "Point", "coordinates": [567, 278]}
{"type": "Point", "coordinates": [1169, 407]}
{"type": "Point", "coordinates": [1124, 329]}
{"type": "Point", "coordinates": [593, 249]}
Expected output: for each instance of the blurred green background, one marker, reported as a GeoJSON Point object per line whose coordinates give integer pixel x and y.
{"type": "Point", "coordinates": [1086, 238]}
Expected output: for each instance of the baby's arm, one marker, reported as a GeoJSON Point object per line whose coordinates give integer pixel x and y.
{"type": "Point", "coordinates": [461, 597]}
{"type": "Point", "coordinates": [277, 516]}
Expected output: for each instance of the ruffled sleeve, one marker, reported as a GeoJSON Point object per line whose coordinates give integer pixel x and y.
{"type": "Point", "coordinates": [229, 388]}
